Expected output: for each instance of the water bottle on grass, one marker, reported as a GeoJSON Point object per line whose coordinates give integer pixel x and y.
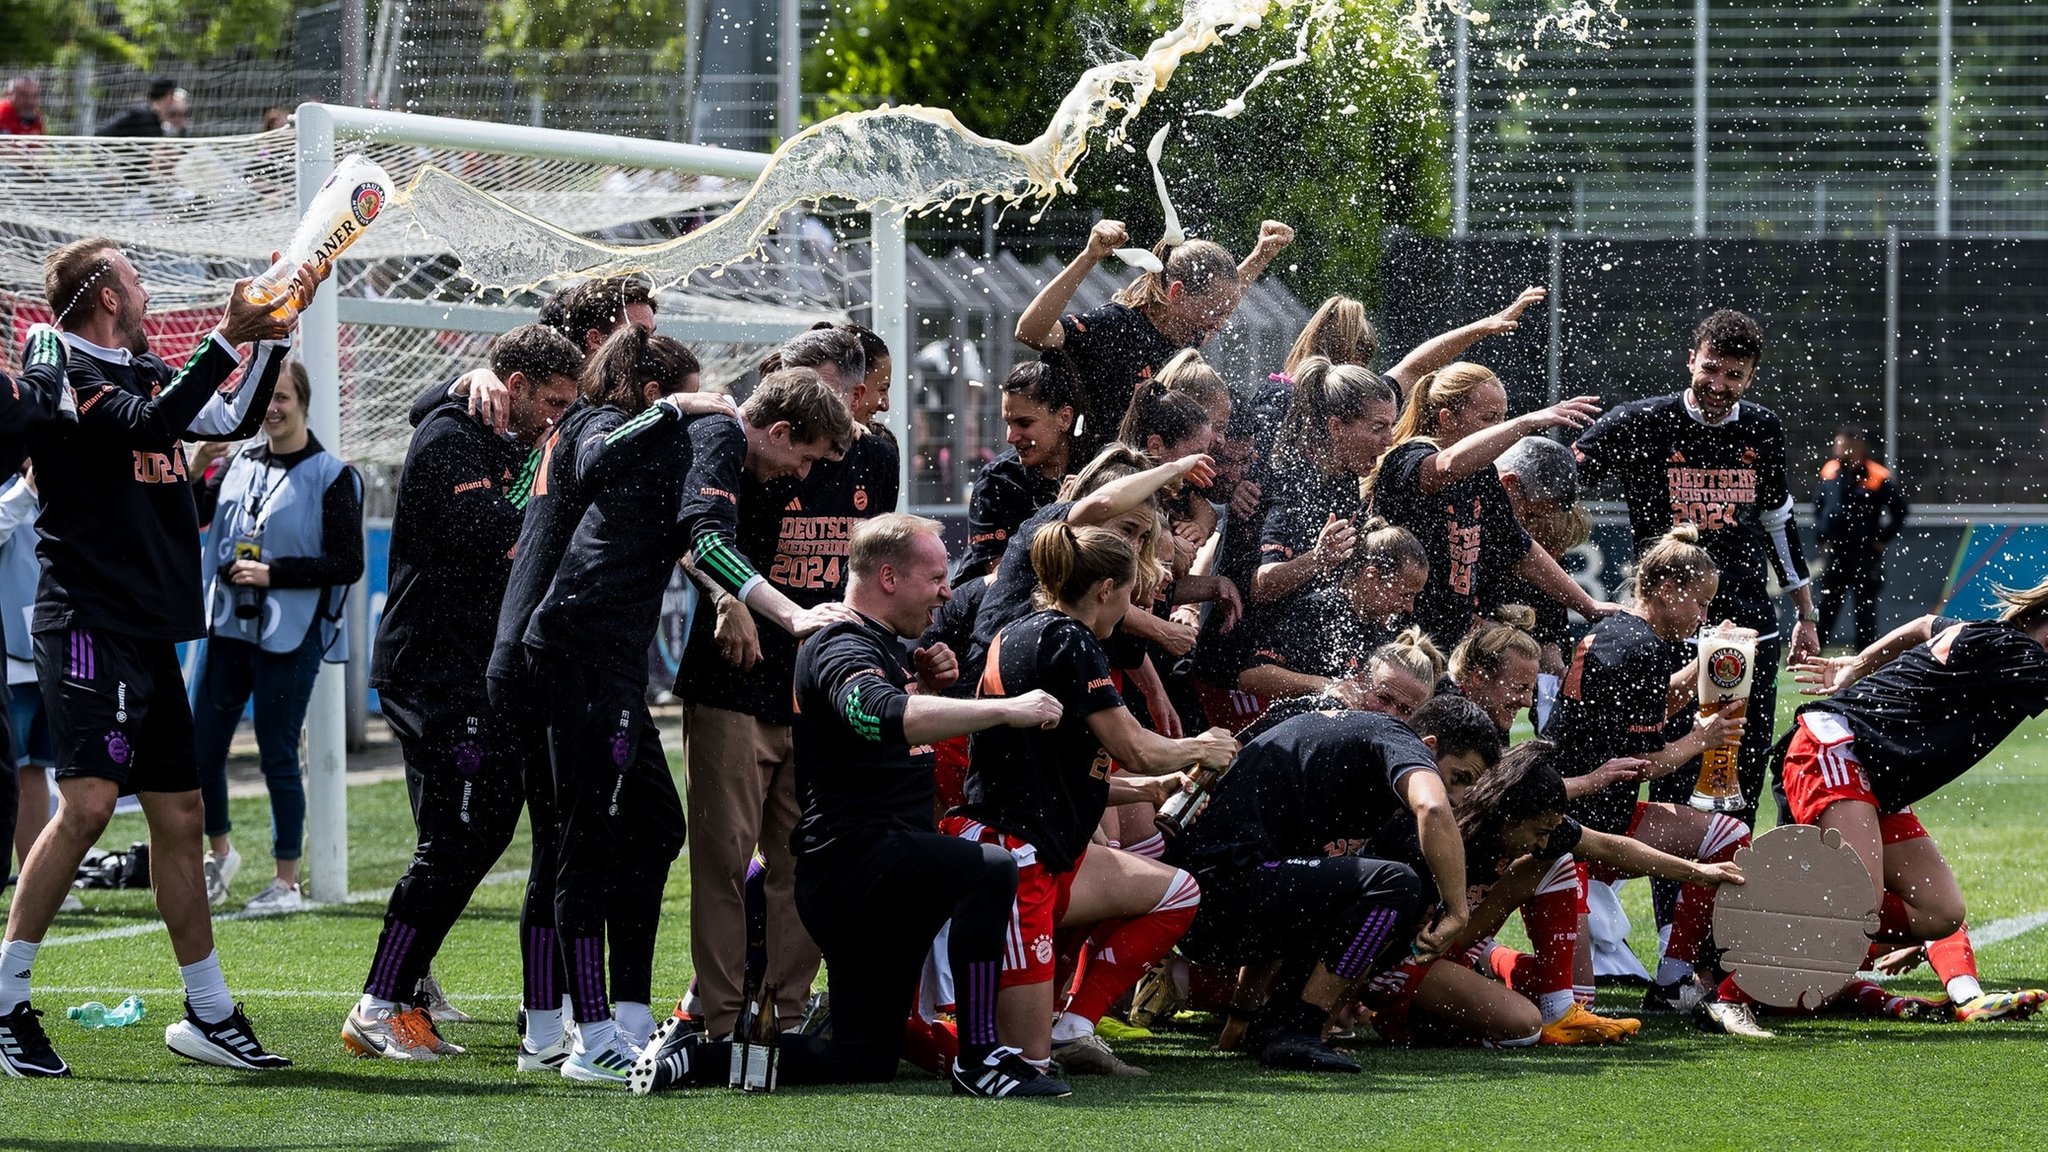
{"type": "Point", "coordinates": [93, 1014]}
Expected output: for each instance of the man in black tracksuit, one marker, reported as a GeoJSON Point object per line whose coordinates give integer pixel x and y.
{"type": "Point", "coordinates": [874, 878]}
{"type": "Point", "coordinates": [452, 535]}
{"type": "Point", "coordinates": [1708, 457]}
{"type": "Point", "coordinates": [1857, 510]}
{"type": "Point", "coordinates": [120, 589]}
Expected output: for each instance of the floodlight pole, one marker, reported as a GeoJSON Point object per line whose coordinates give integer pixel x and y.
{"type": "Point", "coordinates": [1944, 121]}
{"type": "Point", "coordinates": [1699, 118]}
{"type": "Point", "coordinates": [319, 349]}
{"type": "Point", "coordinates": [1461, 128]}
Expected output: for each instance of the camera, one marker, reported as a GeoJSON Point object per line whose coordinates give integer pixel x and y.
{"type": "Point", "coordinates": [245, 599]}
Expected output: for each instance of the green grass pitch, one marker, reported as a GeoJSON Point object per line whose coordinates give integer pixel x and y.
{"type": "Point", "coordinates": [1835, 1082]}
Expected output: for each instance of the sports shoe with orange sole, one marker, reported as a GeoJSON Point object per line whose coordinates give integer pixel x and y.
{"type": "Point", "coordinates": [1579, 1026]}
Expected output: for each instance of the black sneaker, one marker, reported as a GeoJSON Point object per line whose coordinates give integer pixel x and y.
{"type": "Point", "coordinates": [666, 1059]}
{"type": "Point", "coordinates": [1005, 1072]}
{"type": "Point", "coordinates": [228, 1044]}
{"type": "Point", "coordinates": [25, 1049]}
{"type": "Point", "coordinates": [1301, 1052]}
{"type": "Point", "coordinates": [1679, 997]}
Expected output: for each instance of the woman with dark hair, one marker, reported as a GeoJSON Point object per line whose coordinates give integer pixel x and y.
{"type": "Point", "coordinates": [1519, 849]}
{"type": "Point", "coordinates": [1041, 794]}
{"type": "Point", "coordinates": [286, 542]}
{"type": "Point", "coordinates": [1041, 404]}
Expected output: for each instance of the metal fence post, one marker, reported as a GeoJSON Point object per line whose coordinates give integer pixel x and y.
{"type": "Point", "coordinates": [1944, 119]}
{"type": "Point", "coordinates": [319, 348]}
{"type": "Point", "coordinates": [1891, 345]}
{"type": "Point", "coordinates": [1554, 369]}
{"type": "Point", "coordinates": [1461, 128]}
{"type": "Point", "coordinates": [1699, 118]}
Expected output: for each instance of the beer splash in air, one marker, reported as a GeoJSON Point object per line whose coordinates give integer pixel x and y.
{"type": "Point", "coordinates": [914, 158]}
{"type": "Point", "coordinates": [921, 159]}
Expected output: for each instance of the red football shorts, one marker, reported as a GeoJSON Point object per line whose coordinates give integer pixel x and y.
{"type": "Point", "coordinates": [1821, 769]}
{"type": "Point", "coordinates": [1042, 898]}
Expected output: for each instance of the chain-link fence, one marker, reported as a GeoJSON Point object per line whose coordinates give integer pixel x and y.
{"type": "Point", "coordinates": [1970, 416]}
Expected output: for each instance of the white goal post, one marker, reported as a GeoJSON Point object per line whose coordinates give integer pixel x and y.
{"type": "Point", "coordinates": [326, 131]}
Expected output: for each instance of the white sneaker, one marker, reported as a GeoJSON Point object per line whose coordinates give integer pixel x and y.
{"type": "Point", "coordinates": [279, 897]}
{"type": "Point", "coordinates": [220, 872]}
{"type": "Point", "coordinates": [1731, 1018]}
{"type": "Point", "coordinates": [71, 903]}
{"type": "Point", "coordinates": [611, 1064]}
{"type": "Point", "coordinates": [548, 1059]}
{"type": "Point", "coordinates": [428, 995]}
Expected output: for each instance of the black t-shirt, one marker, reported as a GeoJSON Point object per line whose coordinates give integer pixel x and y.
{"type": "Point", "coordinates": [1728, 479]}
{"type": "Point", "coordinates": [659, 486]}
{"type": "Point", "coordinates": [1612, 704]}
{"type": "Point", "coordinates": [1008, 598]}
{"type": "Point", "coordinates": [1469, 530]}
{"type": "Point", "coordinates": [1005, 495]}
{"type": "Point", "coordinates": [953, 625]}
{"type": "Point", "coordinates": [1114, 349]}
{"type": "Point", "coordinates": [1048, 787]}
{"type": "Point", "coordinates": [1931, 714]}
{"type": "Point", "coordinates": [1319, 784]}
{"type": "Point", "coordinates": [1321, 635]}
{"type": "Point", "coordinates": [119, 532]}
{"type": "Point", "coordinates": [452, 535]}
{"type": "Point", "coordinates": [856, 775]}
{"type": "Point", "coordinates": [1300, 499]}
{"type": "Point", "coordinates": [795, 532]}
{"type": "Point", "coordinates": [554, 495]}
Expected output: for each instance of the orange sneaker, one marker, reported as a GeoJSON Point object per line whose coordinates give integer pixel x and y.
{"type": "Point", "coordinates": [1579, 1026]}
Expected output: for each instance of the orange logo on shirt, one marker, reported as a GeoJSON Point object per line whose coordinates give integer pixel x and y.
{"type": "Point", "coordinates": [860, 498]}
{"type": "Point", "coordinates": [160, 468]}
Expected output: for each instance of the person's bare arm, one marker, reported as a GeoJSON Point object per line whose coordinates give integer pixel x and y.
{"type": "Point", "coordinates": [1273, 236]}
{"type": "Point", "coordinates": [1446, 347]}
{"type": "Point", "coordinates": [1278, 579]}
{"type": "Point", "coordinates": [1635, 858]}
{"type": "Point", "coordinates": [929, 719]}
{"type": "Point", "coordinates": [1153, 790]}
{"type": "Point", "coordinates": [1442, 469]}
{"type": "Point", "coordinates": [1145, 753]}
{"type": "Point", "coordinates": [1039, 326]}
{"type": "Point", "coordinates": [1444, 848]}
{"type": "Point", "coordinates": [1273, 682]}
{"type": "Point", "coordinates": [1826, 675]}
{"type": "Point", "coordinates": [1541, 569]}
{"type": "Point", "coordinates": [1120, 496]}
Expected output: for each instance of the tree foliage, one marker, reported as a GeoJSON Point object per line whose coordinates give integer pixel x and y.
{"type": "Point", "coordinates": [1343, 147]}
{"type": "Point", "coordinates": [544, 39]}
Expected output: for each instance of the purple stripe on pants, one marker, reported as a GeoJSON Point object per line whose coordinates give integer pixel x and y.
{"type": "Point", "coordinates": [1372, 936]}
{"type": "Point", "coordinates": [390, 958]}
{"type": "Point", "coordinates": [541, 960]}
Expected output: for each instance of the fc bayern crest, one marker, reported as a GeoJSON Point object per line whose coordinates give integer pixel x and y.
{"type": "Point", "coordinates": [1726, 666]}
{"type": "Point", "coordinates": [860, 498]}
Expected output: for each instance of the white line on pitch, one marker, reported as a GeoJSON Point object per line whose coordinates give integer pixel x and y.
{"type": "Point", "coordinates": [143, 929]}
{"type": "Point", "coordinates": [1999, 931]}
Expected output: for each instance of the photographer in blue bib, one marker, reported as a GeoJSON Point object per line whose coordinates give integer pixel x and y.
{"type": "Point", "coordinates": [286, 542]}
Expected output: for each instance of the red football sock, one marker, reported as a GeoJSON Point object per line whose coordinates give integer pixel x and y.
{"type": "Point", "coordinates": [1951, 956]}
{"type": "Point", "coordinates": [1551, 917]}
{"type": "Point", "coordinates": [1121, 954]}
{"type": "Point", "coordinates": [1694, 913]}
{"type": "Point", "coordinates": [930, 1044]}
{"type": "Point", "coordinates": [1730, 993]}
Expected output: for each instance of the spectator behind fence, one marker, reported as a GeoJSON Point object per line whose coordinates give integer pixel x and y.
{"type": "Point", "coordinates": [1857, 510]}
{"type": "Point", "coordinates": [164, 112]}
{"type": "Point", "coordinates": [286, 542]}
{"type": "Point", "coordinates": [21, 114]}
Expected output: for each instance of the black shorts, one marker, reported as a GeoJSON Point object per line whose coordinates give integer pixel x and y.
{"type": "Point", "coordinates": [117, 709]}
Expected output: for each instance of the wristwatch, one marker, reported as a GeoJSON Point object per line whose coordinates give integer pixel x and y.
{"type": "Point", "coordinates": [1810, 616]}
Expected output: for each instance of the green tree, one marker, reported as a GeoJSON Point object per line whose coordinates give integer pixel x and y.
{"type": "Point", "coordinates": [185, 31]}
{"type": "Point", "coordinates": [549, 39]}
{"type": "Point", "coordinates": [40, 32]}
{"type": "Point", "coordinates": [1343, 147]}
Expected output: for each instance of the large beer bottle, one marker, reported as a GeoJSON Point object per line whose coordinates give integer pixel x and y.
{"type": "Point", "coordinates": [1727, 666]}
{"type": "Point", "coordinates": [353, 196]}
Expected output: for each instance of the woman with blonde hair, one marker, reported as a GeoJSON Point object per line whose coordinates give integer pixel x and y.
{"type": "Point", "coordinates": [1630, 678]}
{"type": "Point", "coordinates": [1438, 482]}
{"type": "Point", "coordinates": [1040, 794]}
